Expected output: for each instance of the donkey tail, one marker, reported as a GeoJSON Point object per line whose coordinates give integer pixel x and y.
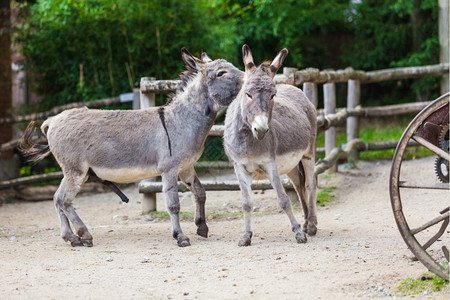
{"type": "Point", "coordinates": [30, 150]}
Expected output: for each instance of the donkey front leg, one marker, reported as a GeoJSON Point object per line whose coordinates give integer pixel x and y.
{"type": "Point", "coordinates": [310, 187]}
{"type": "Point", "coordinates": [190, 179]}
{"type": "Point", "coordinates": [170, 189]}
{"type": "Point", "coordinates": [63, 198]}
{"type": "Point", "coordinates": [284, 201]}
{"type": "Point", "coordinates": [245, 183]}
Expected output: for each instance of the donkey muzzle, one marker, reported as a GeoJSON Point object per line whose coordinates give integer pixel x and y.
{"type": "Point", "coordinates": [260, 127]}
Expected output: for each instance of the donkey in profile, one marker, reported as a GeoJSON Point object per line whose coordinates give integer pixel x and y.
{"type": "Point", "coordinates": [270, 130]}
{"type": "Point", "coordinates": [127, 146]}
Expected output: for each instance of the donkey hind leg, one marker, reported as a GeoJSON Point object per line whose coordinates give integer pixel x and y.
{"type": "Point", "coordinates": [170, 189]}
{"type": "Point", "coordinates": [190, 179]}
{"type": "Point", "coordinates": [297, 177]}
{"type": "Point", "coordinates": [63, 198]}
{"type": "Point", "coordinates": [310, 187]}
{"type": "Point", "coordinates": [284, 201]}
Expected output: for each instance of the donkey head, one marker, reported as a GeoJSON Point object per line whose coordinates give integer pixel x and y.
{"type": "Point", "coordinates": [221, 80]}
{"type": "Point", "coordinates": [258, 92]}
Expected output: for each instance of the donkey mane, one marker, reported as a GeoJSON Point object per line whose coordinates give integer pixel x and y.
{"type": "Point", "coordinates": [185, 77]}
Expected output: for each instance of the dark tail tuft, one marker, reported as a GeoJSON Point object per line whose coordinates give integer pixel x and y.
{"type": "Point", "coordinates": [32, 151]}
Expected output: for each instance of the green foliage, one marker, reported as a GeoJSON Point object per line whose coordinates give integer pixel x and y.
{"type": "Point", "coordinates": [391, 34]}
{"type": "Point", "coordinates": [324, 195]}
{"type": "Point", "coordinates": [379, 130]}
{"type": "Point", "coordinates": [83, 49]}
{"type": "Point", "coordinates": [80, 50]}
{"type": "Point", "coordinates": [426, 284]}
{"type": "Point", "coordinates": [306, 28]}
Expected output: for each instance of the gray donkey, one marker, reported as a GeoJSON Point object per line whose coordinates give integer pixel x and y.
{"type": "Point", "coordinates": [271, 130]}
{"type": "Point", "coordinates": [128, 146]}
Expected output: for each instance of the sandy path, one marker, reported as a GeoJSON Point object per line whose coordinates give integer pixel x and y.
{"type": "Point", "coordinates": [358, 251]}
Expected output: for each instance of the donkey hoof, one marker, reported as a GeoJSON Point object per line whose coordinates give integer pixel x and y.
{"type": "Point", "coordinates": [88, 243]}
{"type": "Point", "coordinates": [244, 242]}
{"type": "Point", "coordinates": [183, 241]}
{"type": "Point", "coordinates": [312, 230]}
{"type": "Point", "coordinates": [76, 243]}
{"type": "Point", "coordinates": [300, 237]}
{"type": "Point", "coordinates": [202, 230]}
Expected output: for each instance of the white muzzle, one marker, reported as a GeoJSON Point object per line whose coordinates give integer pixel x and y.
{"type": "Point", "coordinates": [260, 127]}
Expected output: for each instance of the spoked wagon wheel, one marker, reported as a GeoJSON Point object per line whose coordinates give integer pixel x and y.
{"type": "Point", "coordinates": [428, 240]}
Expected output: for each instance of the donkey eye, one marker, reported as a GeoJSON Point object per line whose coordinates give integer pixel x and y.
{"type": "Point", "coordinates": [221, 73]}
{"type": "Point", "coordinates": [271, 97]}
{"type": "Point", "coordinates": [249, 96]}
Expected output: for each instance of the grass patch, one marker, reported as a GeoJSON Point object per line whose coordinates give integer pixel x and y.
{"type": "Point", "coordinates": [426, 284]}
{"type": "Point", "coordinates": [379, 130]}
{"type": "Point", "coordinates": [325, 195]}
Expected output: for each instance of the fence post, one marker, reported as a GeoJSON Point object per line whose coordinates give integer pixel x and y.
{"type": "Point", "coordinates": [136, 99]}
{"type": "Point", "coordinates": [353, 99]}
{"type": "Point", "coordinates": [310, 90]}
{"type": "Point", "coordinates": [148, 100]}
{"type": "Point", "coordinates": [329, 99]}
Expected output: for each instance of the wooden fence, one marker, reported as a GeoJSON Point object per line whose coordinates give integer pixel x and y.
{"type": "Point", "coordinates": [328, 119]}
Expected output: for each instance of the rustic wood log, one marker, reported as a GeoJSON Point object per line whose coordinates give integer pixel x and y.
{"type": "Point", "coordinates": [353, 100]}
{"type": "Point", "coordinates": [329, 98]}
{"type": "Point", "coordinates": [30, 179]}
{"type": "Point", "coordinates": [310, 90]}
{"type": "Point", "coordinates": [217, 130]}
{"type": "Point", "coordinates": [149, 189]}
{"type": "Point", "coordinates": [233, 185]}
{"type": "Point", "coordinates": [45, 193]}
{"type": "Point", "coordinates": [395, 110]}
{"type": "Point", "coordinates": [327, 76]}
{"type": "Point", "coordinates": [149, 86]}
{"type": "Point", "coordinates": [335, 154]}
{"type": "Point", "coordinates": [385, 145]}
{"type": "Point", "coordinates": [316, 76]}
{"type": "Point", "coordinates": [58, 109]}
{"type": "Point", "coordinates": [147, 99]}
{"type": "Point", "coordinates": [405, 73]}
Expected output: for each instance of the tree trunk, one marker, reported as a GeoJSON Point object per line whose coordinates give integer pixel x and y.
{"type": "Point", "coordinates": [444, 41]}
{"type": "Point", "coordinates": [5, 75]}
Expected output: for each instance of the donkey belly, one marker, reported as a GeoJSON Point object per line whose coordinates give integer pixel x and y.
{"type": "Point", "coordinates": [288, 161]}
{"type": "Point", "coordinates": [125, 175]}
{"type": "Point", "coordinates": [285, 163]}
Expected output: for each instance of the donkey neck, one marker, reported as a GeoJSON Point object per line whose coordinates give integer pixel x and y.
{"type": "Point", "coordinates": [191, 113]}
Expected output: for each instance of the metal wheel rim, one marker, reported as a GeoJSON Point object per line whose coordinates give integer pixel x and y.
{"type": "Point", "coordinates": [400, 219]}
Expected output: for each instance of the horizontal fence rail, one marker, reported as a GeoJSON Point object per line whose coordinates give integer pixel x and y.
{"type": "Point", "coordinates": [315, 76]}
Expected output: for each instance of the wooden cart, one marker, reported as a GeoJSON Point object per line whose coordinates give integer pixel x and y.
{"type": "Point", "coordinates": [429, 129]}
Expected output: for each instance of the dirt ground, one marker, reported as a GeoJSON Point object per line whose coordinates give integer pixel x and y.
{"type": "Point", "coordinates": [357, 253]}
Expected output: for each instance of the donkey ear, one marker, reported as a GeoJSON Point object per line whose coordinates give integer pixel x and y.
{"type": "Point", "coordinates": [247, 59]}
{"type": "Point", "coordinates": [278, 61]}
{"type": "Point", "coordinates": [205, 58]}
{"type": "Point", "coordinates": [191, 62]}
